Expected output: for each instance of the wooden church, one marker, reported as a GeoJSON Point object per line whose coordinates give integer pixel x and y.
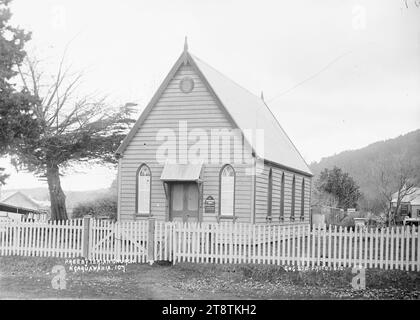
{"type": "Point", "coordinates": [207, 150]}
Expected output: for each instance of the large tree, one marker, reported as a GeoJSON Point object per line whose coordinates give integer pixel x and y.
{"type": "Point", "coordinates": [72, 129]}
{"type": "Point", "coordinates": [16, 117]}
{"type": "Point", "coordinates": [340, 185]}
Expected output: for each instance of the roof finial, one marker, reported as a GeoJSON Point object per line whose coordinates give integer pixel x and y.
{"type": "Point", "coordinates": [186, 44]}
{"type": "Point", "coordinates": [262, 95]}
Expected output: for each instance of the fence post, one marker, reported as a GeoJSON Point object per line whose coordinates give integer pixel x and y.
{"type": "Point", "coordinates": [151, 240]}
{"type": "Point", "coordinates": [418, 248]}
{"type": "Point", "coordinates": [85, 240]}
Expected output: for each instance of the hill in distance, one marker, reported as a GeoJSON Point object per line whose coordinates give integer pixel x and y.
{"type": "Point", "coordinates": [362, 162]}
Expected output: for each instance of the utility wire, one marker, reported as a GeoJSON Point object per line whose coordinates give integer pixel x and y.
{"type": "Point", "coordinates": [309, 78]}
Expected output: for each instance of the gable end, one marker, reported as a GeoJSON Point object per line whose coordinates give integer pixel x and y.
{"type": "Point", "coordinates": [185, 58]}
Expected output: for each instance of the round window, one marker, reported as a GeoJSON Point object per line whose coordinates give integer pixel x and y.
{"type": "Point", "coordinates": [186, 84]}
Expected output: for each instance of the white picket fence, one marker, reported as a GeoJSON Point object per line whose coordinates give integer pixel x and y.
{"type": "Point", "coordinates": [150, 240]}
{"type": "Point", "coordinates": [389, 248]}
{"type": "Point", "coordinates": [42, 239]}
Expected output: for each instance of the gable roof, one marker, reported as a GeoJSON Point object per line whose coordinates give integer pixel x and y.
{"type": "Point", "coordinates": [8, 196]}
{"type": "Point", "coordinates": [413, 198]}
{"type": "Point", "coordinates": [245, 111]}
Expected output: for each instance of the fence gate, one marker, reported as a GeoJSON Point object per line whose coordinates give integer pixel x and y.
{"type": "Point", "coordinates": [119, 241]}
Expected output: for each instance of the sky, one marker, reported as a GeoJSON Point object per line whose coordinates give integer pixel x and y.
{"type": "Point", "coordinates": [338, 75]}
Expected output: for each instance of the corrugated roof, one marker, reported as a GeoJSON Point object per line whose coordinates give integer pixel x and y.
{"type": "Point", "coordinates": [4, 195]}
{"type": "Point", "coordinates": [250, 112]}
{"type": "Point", "coordinates": [413, 198]}
{"type": "Point", "coordinates": [9, 198]}
{"type": "Point", "coordinates": [247, 110]}
{"type": "Point", "coordinates": [181, 172]}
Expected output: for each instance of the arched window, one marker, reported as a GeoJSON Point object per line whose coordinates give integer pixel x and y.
{"type": "Point", "coordinates": [302, 201]}
{"type": "Point", "coordinates": [282, 198]}
{"type": "Point", "coordinates": [227, 191]}
{"type": "Point", "coordinates": [144, 181]}
{"type": "Point", "coordinates": [292, 213]}
{"type": "Point", "coordinates": [270, 193]}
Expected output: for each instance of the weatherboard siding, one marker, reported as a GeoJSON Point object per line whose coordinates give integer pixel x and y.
{"type": "Point", "coordinates": [261, 196]}
{"type": "Point", "coordinates": [201, 111]}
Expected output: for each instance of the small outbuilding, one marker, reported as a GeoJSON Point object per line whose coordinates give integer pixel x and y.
{"type": "Point", "coordinates": [16, 205]}
{"type": "Point", "coordinates": [207, 150]}
{"type": "Point", "coordinates": [409, 207]}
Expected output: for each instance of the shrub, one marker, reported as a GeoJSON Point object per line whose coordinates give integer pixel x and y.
{"type": "Point", "coordinates": [102, 207]}
{"type": "Point", "coordinates": [348, 221]}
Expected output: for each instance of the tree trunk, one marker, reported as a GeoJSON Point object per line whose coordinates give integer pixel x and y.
{"type": "Point", "coordinates": [390, 213]}
{"type": "Point", "coordinates": [57, 196]}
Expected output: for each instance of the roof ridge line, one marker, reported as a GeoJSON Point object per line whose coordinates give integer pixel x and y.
{"type": "Point", "coordinates": [259, 98]}
{"type": "Point", "coordinates": [228, 78]}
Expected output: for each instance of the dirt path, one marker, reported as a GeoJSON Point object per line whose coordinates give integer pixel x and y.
{"type": "Point", "coordinates": [138, 282]}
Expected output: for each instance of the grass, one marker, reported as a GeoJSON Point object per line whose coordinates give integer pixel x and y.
{"type": "Point", "coordinates": [276, 282]}
{"type": "Point", "coordinates": [30, 278]}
